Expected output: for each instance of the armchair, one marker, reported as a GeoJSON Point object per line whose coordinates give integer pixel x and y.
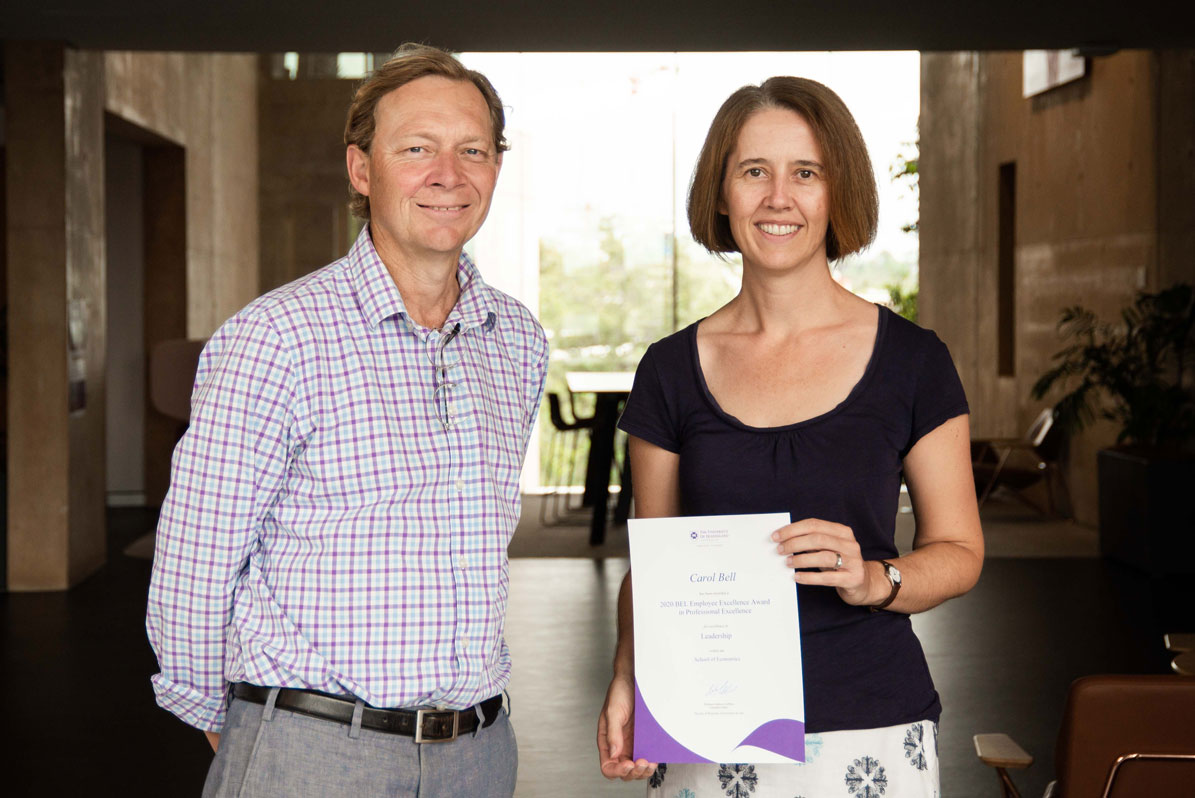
{"type": "Point", "coordinates": [1121, 736]}
{"type": "Point", "coordinates": [1022, 462]}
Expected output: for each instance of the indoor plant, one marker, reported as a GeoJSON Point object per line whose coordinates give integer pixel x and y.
{"type": "Point", "coordinates": [1139, 373]}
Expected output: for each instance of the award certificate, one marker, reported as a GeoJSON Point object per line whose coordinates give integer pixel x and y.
{"type": "Point", "coordinates": [717, 642]}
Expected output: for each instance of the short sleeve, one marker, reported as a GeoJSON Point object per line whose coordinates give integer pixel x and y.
{"type": "Point", "coordinates": [938, 395]}
{"type": "Point", "coordinates": [648, 414]}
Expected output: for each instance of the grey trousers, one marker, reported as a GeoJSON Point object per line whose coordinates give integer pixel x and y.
{"type": "Point", "coordinates": [268, 752]}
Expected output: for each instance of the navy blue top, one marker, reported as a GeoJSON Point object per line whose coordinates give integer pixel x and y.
{"type": "Point", "coordinates": [863, 669]}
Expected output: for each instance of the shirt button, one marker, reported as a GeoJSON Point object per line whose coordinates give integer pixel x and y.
{"type": "Point", "coordinates": [462, 563]}
{"type": "Point", "coordinates": [460, 486]}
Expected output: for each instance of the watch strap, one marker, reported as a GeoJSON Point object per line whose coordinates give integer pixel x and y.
{"type": "Point", "coordinates": [895, 587]}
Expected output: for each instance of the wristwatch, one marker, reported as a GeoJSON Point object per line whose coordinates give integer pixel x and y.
{"type": "Point", "coordinates": [893, 574]}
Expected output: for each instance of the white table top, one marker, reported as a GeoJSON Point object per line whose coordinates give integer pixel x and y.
{"type": "Point", "coordinates": [599, 381]}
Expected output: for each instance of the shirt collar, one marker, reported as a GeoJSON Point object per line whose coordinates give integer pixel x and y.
{"type": "Point", "coordinates": [380, 299]}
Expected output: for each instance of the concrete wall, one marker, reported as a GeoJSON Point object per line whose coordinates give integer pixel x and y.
{"type": "Point", "coordinates": [949, 177]}
{"type": "Point", "coordinates": [1097, 198]}
{"type": "Point", "coordinates": [207, 104]}
{"type": "Point", "coordinates": [55, 103]}
{"type": "Point", "coordinates": [304, 216]}
{"type": "Point", "coordinates": [199, 112]}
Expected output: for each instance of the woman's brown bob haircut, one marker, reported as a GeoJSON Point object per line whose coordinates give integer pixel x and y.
{"type": "Point", "coordinates": [854, 204]}
{"type": "Point", "coordinates": [411, 62]}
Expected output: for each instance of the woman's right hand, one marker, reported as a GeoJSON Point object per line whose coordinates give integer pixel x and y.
{"type": "Point", "coordinates": [616, 732]}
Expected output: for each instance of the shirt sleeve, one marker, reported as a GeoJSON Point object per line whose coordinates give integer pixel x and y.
{"type": "Point", "coordinates": [648, 413]}
{"type": "Point", "coordinates": [938, 395]}
{"type": "Point", "coordinates": [226, 473]}
{"type": "Point", "coordinates": [536, 376]}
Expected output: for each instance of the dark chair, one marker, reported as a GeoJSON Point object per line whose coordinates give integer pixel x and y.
{"type": "Point", "coordinates": [1019, 463]}
{"type": "Point", "coordinates": [555, 504]}
{"type": "Point", "coordinates": [1121, 737]}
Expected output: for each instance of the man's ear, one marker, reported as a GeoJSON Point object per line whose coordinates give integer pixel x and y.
{"type": "Point", "coordinates": [357, 162]}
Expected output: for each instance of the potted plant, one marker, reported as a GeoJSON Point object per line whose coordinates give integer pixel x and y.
{"type": "Point", "coordinates": [1137, 372]}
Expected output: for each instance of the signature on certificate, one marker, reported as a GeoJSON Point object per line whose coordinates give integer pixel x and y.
{"type": "Point", "coordinates": [722, 688]}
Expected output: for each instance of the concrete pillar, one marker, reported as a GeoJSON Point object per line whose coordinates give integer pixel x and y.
{"type": "Point", "coordinates": [950, 222]}
{"type": "Point", "coordinates": [55, 237]}
{"type": "Point", "coordinates": [304, 219]}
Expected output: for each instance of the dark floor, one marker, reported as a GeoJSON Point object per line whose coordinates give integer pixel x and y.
{"type": "Point", "coordinates": [80, 719]}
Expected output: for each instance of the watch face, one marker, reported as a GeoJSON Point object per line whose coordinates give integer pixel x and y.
{"type": "Point", "coordinates": [894, 574]}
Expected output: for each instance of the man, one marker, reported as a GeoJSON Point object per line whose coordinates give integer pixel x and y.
{"type": "Point", "coordinates": [330, 583]}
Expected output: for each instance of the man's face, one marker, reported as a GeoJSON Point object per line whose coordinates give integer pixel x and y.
{"type": "Point", "coordinates": [431, 170]}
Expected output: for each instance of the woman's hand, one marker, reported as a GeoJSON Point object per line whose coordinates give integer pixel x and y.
{"type": "Point", "coordinates": [615, 734]}
{"type": "Point", "coordinates": [814, 543]}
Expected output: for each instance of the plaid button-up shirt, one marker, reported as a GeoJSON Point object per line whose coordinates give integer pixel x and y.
{"type": "Point", "coordinates": [323, 528]}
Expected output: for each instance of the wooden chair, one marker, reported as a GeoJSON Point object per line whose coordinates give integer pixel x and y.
{"type": "Point", "coordinates": [1121, 737]}
{"type": "Point", "coordinates": [1021, 462]}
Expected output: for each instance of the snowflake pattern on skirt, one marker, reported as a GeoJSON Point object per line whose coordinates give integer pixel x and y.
{"type": "Point", "coordinates": [866, 778]}
{"type": "Point", "coordinates": [830, 757]}
{"type": "Point", "coordinates": [813, 747]}
{"type": "Point", "coordinates": [738, 780]}
{"type": "Point", "coordinates": [915, 746]}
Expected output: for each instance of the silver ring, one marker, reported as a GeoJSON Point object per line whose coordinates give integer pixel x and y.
{"type": "Point", "coordinates": [838, 564]}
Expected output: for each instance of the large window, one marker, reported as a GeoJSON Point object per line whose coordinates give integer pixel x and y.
{"type": "Point", "coordinates": [588, 225]}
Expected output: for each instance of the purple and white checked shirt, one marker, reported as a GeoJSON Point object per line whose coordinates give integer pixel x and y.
{"type": "Point", "coordinates": [323, 529]}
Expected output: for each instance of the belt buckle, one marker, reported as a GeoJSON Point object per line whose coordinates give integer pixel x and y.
{"type": "Point", "coordinates": [420, 714]}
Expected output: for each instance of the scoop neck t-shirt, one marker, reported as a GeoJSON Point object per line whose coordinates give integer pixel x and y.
{"type": "Point", "coordinates": [862, 669]}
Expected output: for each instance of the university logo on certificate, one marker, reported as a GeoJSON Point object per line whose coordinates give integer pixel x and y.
{"type": "Point", "coordinates": [717, 642]}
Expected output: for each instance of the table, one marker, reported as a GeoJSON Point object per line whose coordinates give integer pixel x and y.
{"type": "Point", "coordinates": [610, 389]}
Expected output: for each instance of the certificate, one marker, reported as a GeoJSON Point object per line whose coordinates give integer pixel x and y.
{"type": "Point", "coordinates": [717, 642]}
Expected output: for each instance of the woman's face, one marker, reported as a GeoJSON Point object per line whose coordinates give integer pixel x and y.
{"type": "Point", "coordinates": [775, 192]}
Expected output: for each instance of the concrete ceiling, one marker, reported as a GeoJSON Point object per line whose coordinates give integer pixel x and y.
{"type": "Point", "coordinates": [627, 25]}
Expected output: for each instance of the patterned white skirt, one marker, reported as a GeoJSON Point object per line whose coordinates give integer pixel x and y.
{"type": "Point", "coordinates": [893, 762]}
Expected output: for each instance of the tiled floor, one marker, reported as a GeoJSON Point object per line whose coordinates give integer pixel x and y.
{"type": "Point", "coordinates": [80, 718]}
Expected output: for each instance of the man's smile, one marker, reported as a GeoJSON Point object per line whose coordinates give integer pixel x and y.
{"type": "Point", "coordinates": [443, 208]}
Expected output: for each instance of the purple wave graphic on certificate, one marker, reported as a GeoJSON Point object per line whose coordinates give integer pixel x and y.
{"type": "Point", "coordinates": [783, 736]}
{"type": "Point", "coordinates": [652, 742]}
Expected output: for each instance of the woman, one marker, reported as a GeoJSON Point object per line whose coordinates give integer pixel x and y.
{"type": "Point", "coordinates": [798, 395]}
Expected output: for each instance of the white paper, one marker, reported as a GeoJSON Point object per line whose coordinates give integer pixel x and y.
{"type": "Point", "coordinates": [717, 641]}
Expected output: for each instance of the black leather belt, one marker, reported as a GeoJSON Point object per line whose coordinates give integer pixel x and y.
{"type": "Point", "coordinates": [425, 725]}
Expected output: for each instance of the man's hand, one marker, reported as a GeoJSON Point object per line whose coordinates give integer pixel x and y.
{"type": "Point", "coordinates": [615, 736]}
{"type": "Point", "coordinates": [213, 739]}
